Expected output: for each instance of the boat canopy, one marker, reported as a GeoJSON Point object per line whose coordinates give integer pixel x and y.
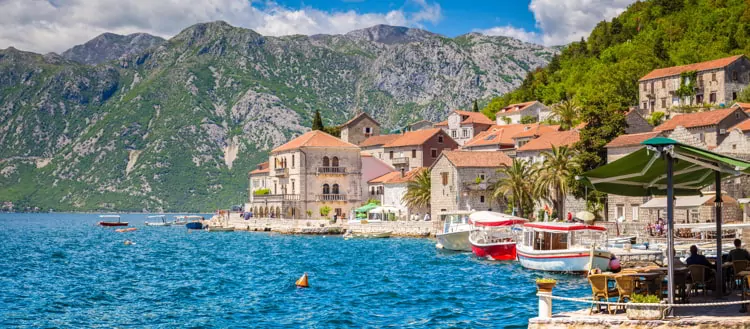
{"type": "Point", "coordinates": [109, 216]}
{"type": "Point", "coordinates": [564, 227]}
{"type": "Point", "coordinates": [193, 217]}
{"type": "Point", "coordinates": [489, 218]}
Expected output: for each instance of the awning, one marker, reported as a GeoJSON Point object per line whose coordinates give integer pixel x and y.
{"type": "Point", "coordinates": [643, 172]}
{"type": "Point", "coordinates": [383, 209]}
{"type": "Point", "coordinates": [491, 218]}
{"type": "Point", "coordinates": [681, 202]}
{"type": "Point", "coordinates": [366, 207]}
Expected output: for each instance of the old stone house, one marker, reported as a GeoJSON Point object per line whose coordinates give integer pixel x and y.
{"type": "Point", "coordinates": [390, 190]}
{"type": "Point", "coordinates": [636, 122]}
{"type": "Point", "coordinates": [463, 125]}
{"type": "Point", "coordinates": [414, 149]}
{"type": "Point", "coordinates": [462, 180]}
{"type": "Point", "coordinates": [374, 145]}
{"type": "Point", "coordinates": [506, 138]}
{"type": "Point", "coordinates": [702, 129]}
{"type": "Point", "coordinates": [359, 128]}
{"type": "Point", "coordinates": [692, 209]}
{"type": "Point", "coordinates": [513, 113]}
{"type": "Point", "coordinates": [421, 125]}
{"type": "Point", "coordinates": [718, 83]}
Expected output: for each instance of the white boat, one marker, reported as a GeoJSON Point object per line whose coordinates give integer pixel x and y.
{"type": "Point", "coordinates": [455, 233]}
{"type": "Point", "coordinates": [163, 221]}
{"type": "Point", "coordinates": [367, 235]}
{"type": "Point", "coordinates": [220, 229]}
{"type": "Point", "coordinates": [495, 234]}
{"type": "Point", "coordinates": [179, 220]}
{"type": "Point", "coordinates": [563, 247]}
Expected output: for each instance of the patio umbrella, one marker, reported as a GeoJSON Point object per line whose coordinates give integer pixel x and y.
{"type": "Point", "coordinates": [586, 216]}
{"type": "Point", "coordinates": [666, 167]}
{"type": "Point", "coordinates": [366, 207]}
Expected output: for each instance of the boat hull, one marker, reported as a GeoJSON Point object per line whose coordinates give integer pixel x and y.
{"type": "Point", "coordinates": [110, 224]}
{"type": "Point", "coordinates": [563, 260]}
{"type": "Point", "coordinates": [158, 224]}
{"type": "Point", "coordinates": [497, 251]}
{"type": "Point", "coordinates": [220, 229]}
{"type": "Point", "coordinates": [456, 241]}
{"type": "Point", "coordinates": [194, 226]}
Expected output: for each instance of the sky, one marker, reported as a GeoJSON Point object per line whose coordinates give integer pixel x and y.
{"type": "Point", "coordinates": [56, 25]}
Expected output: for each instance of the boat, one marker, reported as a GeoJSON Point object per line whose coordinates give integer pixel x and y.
{"type": "Point", "coordinates": [494, 235]}
{"type": "Point", "coordinates": [195, 222]}
{"type": "Point", "coordinates": [163, 221]}
{"type": "Point", "coordinates": [563, 247]}
{"type": "Point", "coordinates": [219, 229]}
{"type": "Point", "coordinates": [455, 233]}
{"type": "Point", "coordinates": [179, 220]}
{"type": "Point", "coordinates": [112, 223]}
{"type": "Point", "coordinates": [367, 235]}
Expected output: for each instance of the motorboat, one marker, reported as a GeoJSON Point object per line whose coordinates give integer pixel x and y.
{"type": "Point", "coordinates": [494, 235]}
{"type": "Point", "coordinates": [220, 229]}
{"type": "Point", "coordinates": [563, 247]}
{"type": "Point", "coordinates": [162, 221]}
{"type": "Point", "coordinates": [110, 223]}
{"type": "Point", "coordinates": [179, 220]}
{"type": "Point", "coordinates": [195, 222]}
{"type": "Point", "coordinates": [367, 235]}
{"type": "Point", "coordinates": [455, 233]}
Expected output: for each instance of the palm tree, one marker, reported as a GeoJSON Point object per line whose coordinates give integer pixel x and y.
{"type": "Point", "coordinates": [516, 183]}
{"type": "Point", "coordinates": [418, 191]}
{"type": "Point", "coordinates": [553, 175]}
{"type": "Point", "coordinates": [567, 112]}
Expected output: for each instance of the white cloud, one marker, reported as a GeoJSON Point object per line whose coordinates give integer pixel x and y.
{"type": "Point", "coordinates": [563, 21]}
{"type": "Point", "coordinates": [55, 25]}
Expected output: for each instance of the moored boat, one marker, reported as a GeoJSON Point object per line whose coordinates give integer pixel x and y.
{"type": "Point", "coordinates": [563, 247]}
{"type": "Point", "coordinates": [367, 235]}
{"type": "Point", "coordinates": [112, 223]}
{"type": "Point", "coordinates": [179, 220]}
{"type": "Point", "coordinates": [494, 235]}
{"type": "Point", "coordinates": [219, 229]}
{"type": "Point", "coordinates": [163, 221]}
{"type": "Point", "coordinates": [455, 233]}
{"type": "Point", "coordinates": [195, 222]}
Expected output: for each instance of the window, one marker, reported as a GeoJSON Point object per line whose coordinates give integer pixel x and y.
{"type": "Point", "coordinates": [663, 102]}
{"type": "Point", "coordinates": [335, 162]}
{"type": "Point", "coordinates": [699, 99]}
{"type": "Point", "coordinates": [413, 154]}
{"type": "Point", "coordinates": [390, 154]}
{"type": "Point", "coordinates": [293, 186]}
{"type": "Point", "coordinates": [368, 130]}
{"type": "Point", "coordinates": [635, 208]}
{"type": "Point", "coordinates": [644, 87]}
{"type": "Point", "coordinates": [702, 137]}
{"type": "Point", "coordinates": [326, 189]}
{"type": "Point", "coordinates": [444, 176]}
{"type": "Point", "coordinates": [712, 97]}
{"type": "Point", "coordinates": [335, 189]}
{"type": "Point", "coordinates": [292, 160]}
{"type": "Point", "coordinates": [620, 211]}
{"type": "Point", "coordinates": [434, 153]}
{"type": "Point", "coordinates": [734, 146]}
{"type": "Point", "coordinates": [664, 83]}
{"type": "Point", "coordinates": [481, 176]}
{"type": "Point", "coordinates": [440, 139]}
{"type": "Point", "coordinates": [645, 105]}
{"type": "Point", "coordinates": [652, 87]}
{"type": "Point", "coordinates": [713, 76]}
{"type": "Point", "coordinates": [453, 133]}
{"type": "Point", "coordinates": [466, 133]}
{"type": "Point", "coordinates": [734, 95]}
{"type": "Point", "coordinates": [326, 162]}
{"type": "Point", "coordinates": [339, 212]}
{"type": "Point", "coordinates": [481, 199]}
{"type": "Point", "coordinates": [734, 76]}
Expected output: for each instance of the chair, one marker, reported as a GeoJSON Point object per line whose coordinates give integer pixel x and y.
{"type": "Point", "coordinates": [625, 287]}
{"type": "Point", "coordinates": [698, 278]}
{"type": "Point", "coordinates": [600, 290]}
{"type": "Point", "coordinates": [680, 284]}
{"type": "Point", "coordinates": [738, 266]}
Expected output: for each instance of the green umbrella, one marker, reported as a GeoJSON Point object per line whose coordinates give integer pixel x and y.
{"type": "Point", "coordinates": [366, 208]}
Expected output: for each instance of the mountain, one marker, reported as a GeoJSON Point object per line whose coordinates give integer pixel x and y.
{"type": "Point", "coordinates": [177, 126]}
{"type": "Point", "coordinates": [110, 46]}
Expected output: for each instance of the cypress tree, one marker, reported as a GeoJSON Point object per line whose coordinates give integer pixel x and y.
{"type": "Point", "coordinates": [317, 123]}
{"type": "Point", "coordinates": [475, 106]}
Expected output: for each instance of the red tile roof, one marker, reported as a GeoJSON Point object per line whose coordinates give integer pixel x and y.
{"type": "Point", "coordinates": [742, 126]}
{"type": "Point", "coordinates": [499, 135]}
{"type": "Point", "coordinates": [744, 106]}
{"type": "Point", "coordinates": [632, 139]}
{"type": "Point", "coordinates": [474, 117]}
{"type": "Point", "coordinates": [356, 117]}
{"type": "Point", "coordinates": [394, 177]}
{"type": "Point", "coordinates": [262, 168]}
{"type": "Point", "coordinates": [702, 66]}
{"type": "Point", "coordinates": [516, 107]}
{"type": "Point", "coordinates": [693, 120]}
{"type": "Point", "coordinates": [537, 130]}
{"type": "Point", "coordinates": [474, 159]}
{"type": "Point", "coordinates": [546, 141]}
{"type": "Point", "coordinates": [441, 123]}
{"type": "Point", "coordinates": [413, 138]}
{"type": "Point", "coordinates": [315, 138]}
{"type": "Point", "coordinates": [379, 140]}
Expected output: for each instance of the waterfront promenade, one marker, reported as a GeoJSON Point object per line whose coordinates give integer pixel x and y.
{"type": "Point", "coordinates": [323, 226]}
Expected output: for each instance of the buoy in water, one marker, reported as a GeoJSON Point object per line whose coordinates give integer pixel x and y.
{"type": "Point", "coordinates": [302, 282]}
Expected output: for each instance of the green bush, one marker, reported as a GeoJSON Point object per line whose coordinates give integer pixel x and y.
{"type": "Point", "coordinates": [262, 191]}
{"type": "Point", "coordinates": [325, 210]}
{"type": "Point", "coordinates": [645, 299]}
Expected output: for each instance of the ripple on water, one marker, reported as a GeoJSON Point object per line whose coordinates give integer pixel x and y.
{"type": "Point", "coordinates": [61, 270]}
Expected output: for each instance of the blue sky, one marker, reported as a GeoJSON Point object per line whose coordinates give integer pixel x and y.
{"type": "Point", "coordinates": [56, 25]}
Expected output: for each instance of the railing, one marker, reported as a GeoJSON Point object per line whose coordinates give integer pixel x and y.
{"type": "Point", "coordinates": [281, 172]}
{"type": "Point", "coordinates": [401, 161]}
{"type": "Point", "coordinates": [331, 170]}
{"type": "Point", "coordinates": [291, 197]}
{"type": "Point", "coordinates": [331, 197]}
{"type": "Point", "coordinates": [276, 197]}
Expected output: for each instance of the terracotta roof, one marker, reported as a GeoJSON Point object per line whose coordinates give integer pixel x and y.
{"type": "Point", "coordinates": [702, 66]}
{"type": "Point", "coordinates": [537, 130]}
{"type": "Point", "coordinates": [365, 155]}
{"type": "Point", "coordinates": [412, 138]}
{"type": "Point", "coordinates": [516, 107]}
{"type": "Point", "coordinates": [394, 177]}
{"type": "Point", "coordinates": [698, 119]}
{"type": "Point", "coordinates": [262, 168]}
{"type": "Point", "coordinates": [442, 123]}
{"type": "Point", "coordinates": [744, 106]}
{"type": "Point", "coordinates": [500, 134]}
{"type": "Point", "coordinates": [379, 140]}
{"type": "Point", "coordinates": [632, 139]}
{"type": "Point", "coordinates": [356, 117]}
{"type": "Point", "coordinates": [742, 126]}
{"type": "Point", "coordinates": [546, 141]}
{"type": "Point", "coordinates": [315, 138]}
{"type": "Point", "coordinates": [474, 117]}
{"type": "Point", "coordinates": [474, 159]}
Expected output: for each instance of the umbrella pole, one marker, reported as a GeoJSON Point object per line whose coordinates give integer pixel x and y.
{"type": "Point", "coordinates": [717, 203]}
{"type": "Point", "coordinates": [670, 229]}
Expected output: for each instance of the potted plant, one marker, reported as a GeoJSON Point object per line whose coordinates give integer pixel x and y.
{"type": "Point", "coordinates": [645, 312]}
{"type": "Point", "coordinates": [545, 284]}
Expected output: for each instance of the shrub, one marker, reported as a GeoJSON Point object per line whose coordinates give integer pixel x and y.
{"type": "Point", "coordinates": [325, 210]}
{"type": "Point", "coordinates": [262, 191]}
{"type": "Point", "coordinates": [645, 299]}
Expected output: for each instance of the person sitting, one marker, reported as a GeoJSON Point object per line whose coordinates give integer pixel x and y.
{"type": "Point", "coordinates": [697, 259]}
{"type": "Point", "coordinates": [738, 253]}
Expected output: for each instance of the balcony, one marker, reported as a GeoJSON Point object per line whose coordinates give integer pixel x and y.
{"type": "Point", "coordinates": [332, 170]}
{"type": "Point", "coordinates": [402, 161]}
{"type": "Point", "coordinates": [281, 172]}
{"type": "Point", "coordinates": [330, 197]}
{"type": "Point", "coordinates": [276, 197]}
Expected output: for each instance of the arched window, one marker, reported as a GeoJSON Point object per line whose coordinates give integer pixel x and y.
{"type": "Point", "coordinates": [325, 162]}
{"type": "Point", "coordinates": [335, 189]}
{"type": "Point", "coordinates": [335, 162]}
{"type": "Point", "coordinates": [326, 189]}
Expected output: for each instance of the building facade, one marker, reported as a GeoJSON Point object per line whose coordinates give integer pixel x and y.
{"type": "Point", "coordinates": [462, 126]}
{"type": "Point", "coordinates": [415, 149]}
{"type": "Point", "coordinates": [359, 128]}
{"type": "Point", "coordinates": [514, 113]}
{"type": "Point", "coordinates": [703, 129]}
{"type": "Point", "coordinates": [390, 190]}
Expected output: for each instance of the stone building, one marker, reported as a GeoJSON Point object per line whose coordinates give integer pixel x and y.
{"type": "Point", "coordinates": [421, 125]}
{"type": "Point", "coordinates": [702, 129]}
{"type": "Point", "coordinates": [692, 209]}
{"type": "Point", "coordinates": [390, 190]}
{"type": "Point", "coordinates": [718, 83]}
{"type": "Point", "coordinates": [463, 125]}
{"type": "Point", "coordinates": [636, 122]}
{"type": "Point", "coordinates": [504, 138]}
{"type": "Point", "coordinates": [374, 145]}
{"type": "Point", "coordinates": [513, 113]}
{"type": "Point", "coordinates": [462, 180]}
{"type": "Point", "coordinates": [309, 173]}
{"type": "Point", "coordinates": [414, 149]}
{"type": "Point", "coordinates": [359, 128]}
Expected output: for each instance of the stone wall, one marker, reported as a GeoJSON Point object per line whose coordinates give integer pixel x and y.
{"type": "Point", "coordinates": [443, 197]}
{"type": "Point", "coordinates": [397, 228]}
{"type": "Point", "coordinates": [321, 226]}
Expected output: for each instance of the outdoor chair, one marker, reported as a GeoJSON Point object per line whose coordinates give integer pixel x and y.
{"type": "Point", "coordinates": [698, 278]}
{"type": "Point", "coordinates": [625, 288]}
{"type": "Point", "coordinates": [680, 285]}
{"type": "Point", "coordinates": [738, 266]}
{"type": "Point", "coordinates": [600, 290]}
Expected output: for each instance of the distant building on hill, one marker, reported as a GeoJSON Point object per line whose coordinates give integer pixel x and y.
{"type": "Point", "coordinates": [421, 125]}
{"type": "Point", "coordinates": [702, 129]}
{"type": "Point", "coordinates": [359, 128]}
{"type": "Point", "coordinates": [513, 113]}
{"type": "Point", "coordinates": [718, 84]}
{"type": "Point", "coordinates": [464, 125]}
{"type": "Point", "coordinates": [410, 150]}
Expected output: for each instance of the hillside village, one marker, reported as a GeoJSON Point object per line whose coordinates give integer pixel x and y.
{"type": "Point", "coordinates": [318, 175]}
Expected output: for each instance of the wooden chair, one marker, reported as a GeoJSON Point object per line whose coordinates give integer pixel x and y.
{"type": "Point", "coordinates": [625, 288]}
{"type": "Point", "coordinates": [698, 278]}
{"type": "Point", "coordinates": [738, 266]}
{"type": "Point", "coordinates": [600, 290]}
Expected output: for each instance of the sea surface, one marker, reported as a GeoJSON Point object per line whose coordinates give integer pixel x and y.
{"type": "Point", "coordinates": [63, 271]}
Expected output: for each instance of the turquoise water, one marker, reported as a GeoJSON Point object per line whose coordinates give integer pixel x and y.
{"type": "Point", "coordinates": [61, 270]}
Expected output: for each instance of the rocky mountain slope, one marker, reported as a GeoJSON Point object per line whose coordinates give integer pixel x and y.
{"type": "Point", "coordinates": [179, 125]}
{"type": "Point", "coordinates": [110, 46]}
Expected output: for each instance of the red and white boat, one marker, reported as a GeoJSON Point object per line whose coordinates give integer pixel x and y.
{"type": "Point", "coordinates": [494, 235]}
{"type": "Point", "coordinates": [112, 223]}
{"type": "Point", "coordinates": [563, 247]}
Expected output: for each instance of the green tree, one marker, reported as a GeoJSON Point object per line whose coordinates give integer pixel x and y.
{"type": "Point", "coordinates": [325, 210]}
{"type": "Point", "coordinates": [418, 191]}
{"type": "Point", "coordinates": [526, 119]}
{"type": "Point", "coordinates": [517, 185]}
{"type": "Point", "coordinates": [656, 118]}
{"type": "Point", "coordinates": [567, 113]}
{"type": "Point", "coordinates": [475, 106]}
{"type": "Point", "coordinates": [554, 175]}
{"type": "Point", "coordinates": [317, 123]}
{"type": "Point", "coordinates": [744, 95]}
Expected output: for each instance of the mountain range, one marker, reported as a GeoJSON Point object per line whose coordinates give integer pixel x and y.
{"type": "Point", "coordinates": [139, 123]}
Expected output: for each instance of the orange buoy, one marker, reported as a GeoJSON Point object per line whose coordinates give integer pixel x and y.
{"type": "Point", "coordinates": [302, 282]}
